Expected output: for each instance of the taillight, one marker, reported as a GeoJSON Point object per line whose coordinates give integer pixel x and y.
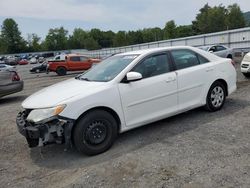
{"type": "Point", "coordinates": [15, 76]}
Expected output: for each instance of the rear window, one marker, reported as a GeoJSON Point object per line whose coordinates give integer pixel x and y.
{"type": "Point", "coordinates": [75, 58]}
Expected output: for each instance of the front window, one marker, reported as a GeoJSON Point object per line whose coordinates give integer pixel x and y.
{"type": "Point", "coordinates": [153, 66]}
{"type": "Point", "coordinates": [108, 69]}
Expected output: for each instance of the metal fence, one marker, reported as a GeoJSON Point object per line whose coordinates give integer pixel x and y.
{"type": "Point", "coordinates": [236, 39]}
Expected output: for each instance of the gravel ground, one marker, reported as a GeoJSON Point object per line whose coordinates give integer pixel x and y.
{"type": "Point", "coordinates": [191, 150]}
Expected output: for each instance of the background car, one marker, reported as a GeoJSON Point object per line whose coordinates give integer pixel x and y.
{"type": "Point", "coordinates": [10, 82]}
{"type": "Point", "coordinates": [7, 67]}
{"type": "Point", "coordinates": [11, 60]}
{"type": "Point", "coordinates": [39, 68]}
{"type": "Point", "coordinates": [72, 62]}
{"type": "Point", "coordinates": [219, 50]}
{"type": "Point", "coordinates": [23, 62]}
{"type": "Point", "coordinates": [245, 65]}
{"type": "Point", "coordinates": [33, 60]}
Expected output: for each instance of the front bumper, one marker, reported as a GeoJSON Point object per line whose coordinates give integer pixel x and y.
{"type": "Point", "coordinates": [245, 67]}
{"type": "Point", "coordinates": [57, 130]}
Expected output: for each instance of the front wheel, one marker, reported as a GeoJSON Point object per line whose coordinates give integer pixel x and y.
{"type": "Point", "coordinates": [216, 97]}
{"type": "Point", "coordinates": [95, 132]}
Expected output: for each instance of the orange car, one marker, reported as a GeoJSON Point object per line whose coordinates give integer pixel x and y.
{"type": "Point", "coordinates": [72, 62]}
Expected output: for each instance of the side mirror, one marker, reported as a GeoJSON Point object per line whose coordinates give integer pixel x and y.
{"type": "Point", "coordinates": [211, 51]}
{"type": "Point", "coordinates": [133, 76]}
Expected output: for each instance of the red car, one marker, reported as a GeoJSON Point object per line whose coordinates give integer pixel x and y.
{"type": "Point", "coordinates": [72, 62]}
{"type": "Point", "coordinates": [23, 62]}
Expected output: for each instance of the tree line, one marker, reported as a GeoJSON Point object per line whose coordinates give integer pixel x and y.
{"type": "Point", "coordinates": [209, 19]}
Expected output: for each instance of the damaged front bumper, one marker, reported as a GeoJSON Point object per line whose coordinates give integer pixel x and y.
{"type": "Point", "coordinates": [56, 130]}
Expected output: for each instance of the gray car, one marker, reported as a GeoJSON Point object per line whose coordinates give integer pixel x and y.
{"type": "Point", "coordinates": [219, 50]}
{"type": "Point", "coordinates": [10, 82]}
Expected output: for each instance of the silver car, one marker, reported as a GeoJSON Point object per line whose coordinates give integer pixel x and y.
{"type": "Point", "coordinates": [219, 50]}
{"type": "Point", "coordinates": [7, 67]}
{"type": "Point", "coordinates": [10, 82]}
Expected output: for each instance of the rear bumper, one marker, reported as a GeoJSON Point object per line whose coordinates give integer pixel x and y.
{"type": "Point", "coordinates": [57, 130]}
{"type": "Point", "coordinates": [245, 67]}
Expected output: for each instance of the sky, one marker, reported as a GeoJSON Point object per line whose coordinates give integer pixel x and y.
{"type": "Point", "coordinates": [38, 16]}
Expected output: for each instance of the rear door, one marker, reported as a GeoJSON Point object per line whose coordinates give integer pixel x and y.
{"type": "Point", "coordinates": [193, 75]}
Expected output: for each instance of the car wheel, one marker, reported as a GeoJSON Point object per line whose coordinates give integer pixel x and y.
{"type": "Point", "coordinates": [247, 75]}
{"type": "Point", "coordinates": [37, 70]}
{"type": "Point", "coordinates": [61, 71]}
{"type": "Point", "coordinates": [230, 56]}
{"type": "Point", "coordinates": [216, 97]}
{"type": "Point", "coordinates": [95, 132]}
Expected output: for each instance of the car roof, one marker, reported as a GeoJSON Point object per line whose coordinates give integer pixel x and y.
{"type": "Point", "coordinates": [155, 50]}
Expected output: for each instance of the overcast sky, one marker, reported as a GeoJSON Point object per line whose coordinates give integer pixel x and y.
{"type": "Point", "coordinates": [37, 16]}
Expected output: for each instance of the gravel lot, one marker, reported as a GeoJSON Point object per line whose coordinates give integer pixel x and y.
{"type": "Point", "coordinates": [191, 150]}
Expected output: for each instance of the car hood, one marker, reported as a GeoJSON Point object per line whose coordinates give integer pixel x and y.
{"type": "Point", "coordinates": [61, 92]}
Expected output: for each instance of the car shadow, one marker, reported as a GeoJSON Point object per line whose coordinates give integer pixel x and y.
{"type": "Point", "coordinates": [12, 99]}
{"type": "Point", "coordinates": [55, 157]}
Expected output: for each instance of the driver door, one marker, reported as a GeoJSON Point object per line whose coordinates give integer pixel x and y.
{"type": "Point", "coordinates": [152, 98]}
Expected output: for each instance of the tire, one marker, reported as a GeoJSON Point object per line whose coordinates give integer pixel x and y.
{"type": "Point", "coordinates": [95, 132]}
{"type": "Point", "coordinates": [37, 71]}
{"type": "Point", "coordinates": [61, 71]}
{"type": "Point", "coordinates": [216, 97]}
{"type": "Point", "coordinates": [247, 75]}
{"type": "Point", "coordinates": [230, 56]}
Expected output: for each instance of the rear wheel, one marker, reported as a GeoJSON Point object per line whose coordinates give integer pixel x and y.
{"type": "Point", "coordinates": [247, 75]}
{"type": "Point", "coordinates": [216, 97]}
{"type": "Point", "coordinates": [95, 132]}
{"type": "Point", "coordinates": [61, 71]}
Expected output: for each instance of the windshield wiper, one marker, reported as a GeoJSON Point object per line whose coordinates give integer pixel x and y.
{"type": "Point", "coordinates": [86, 79]}
{"type": "Point", "coordinates": [78, 76]}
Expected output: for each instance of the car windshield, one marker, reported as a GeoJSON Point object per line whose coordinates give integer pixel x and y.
{"type": "Point", "coordinates": [205, 48]}
{"type": "Point", "coordinates": [107, 69]}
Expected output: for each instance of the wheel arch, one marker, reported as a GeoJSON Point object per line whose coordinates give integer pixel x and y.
{"type": "Point", "coordinates": [230, 56]}
{"type": "Point", "coordinates": [223, 82]}
{"type": "Point", "coordinates": [107, 109]}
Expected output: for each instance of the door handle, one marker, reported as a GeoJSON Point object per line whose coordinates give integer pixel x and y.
{"type": "Point", "coordinates": [170, 79]}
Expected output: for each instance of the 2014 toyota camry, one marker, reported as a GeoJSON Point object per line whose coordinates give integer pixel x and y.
{"type": "Point", "coordinates": [123, 92]}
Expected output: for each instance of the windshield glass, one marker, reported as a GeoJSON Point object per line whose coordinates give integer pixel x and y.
{"type": "Point", "coordinates": [108, 69]}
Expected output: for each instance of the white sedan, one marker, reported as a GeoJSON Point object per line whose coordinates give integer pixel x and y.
{"type": "Point", "coordinates": [245, 65]}
{"type": "Point", "coordinates": [123, 92]}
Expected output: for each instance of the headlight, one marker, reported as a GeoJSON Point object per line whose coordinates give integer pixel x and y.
{"type": "Point", "coordinates": [38, 115]}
